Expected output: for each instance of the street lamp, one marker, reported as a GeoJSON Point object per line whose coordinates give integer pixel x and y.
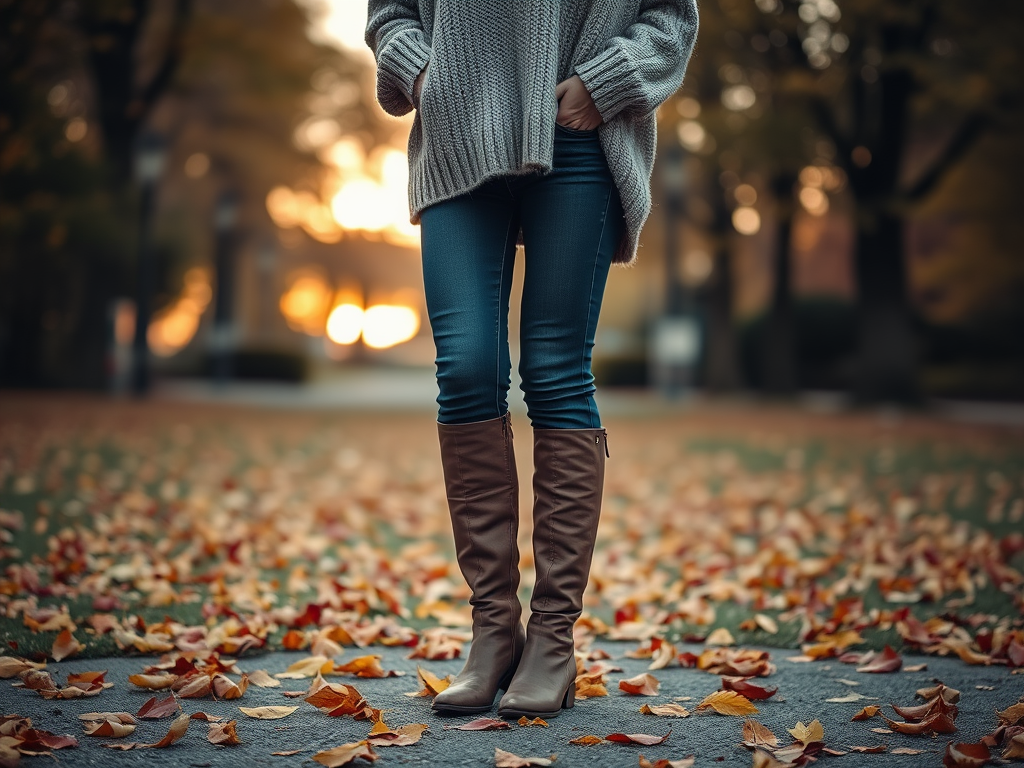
{"type": "Point", "coordinates": [150, 153]}
{"type": "Point", "coordinates": [222, 339]}
{"type": "Point", "coordinates": [675, 338]}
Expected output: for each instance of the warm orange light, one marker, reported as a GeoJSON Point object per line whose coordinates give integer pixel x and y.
{"type": "Point", "coordinates": [345, 324]}
{"type": "Point", "coordinates": [305, 303]}
{"type": "Point", "coordinates": [747, 221]}
{"type": "Point", "coordinates": [814, 201]}
{"type": "Point", "coordinates": [173, 328]}
{"type": "Point", "coordinates": [385, 325]}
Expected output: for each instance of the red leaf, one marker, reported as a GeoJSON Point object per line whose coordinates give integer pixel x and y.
{"type": "Point", "coordinates": [483, 724]}
{"type": "Point", "coordinates": [966, 756]}
{"type": "Point", "coordinates": [887, 661]}
{"type": "Point", "coordinates": [751, 691]}
{"type": "Point", "coordinates": [638, 738]}
{"type": "Point", "coordinates": [155, 708]}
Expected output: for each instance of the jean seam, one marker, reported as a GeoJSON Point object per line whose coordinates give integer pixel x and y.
{"type": "Point", "coordinates": [590, 309]}
{"type": "Point", "coordinates": [497, 323]}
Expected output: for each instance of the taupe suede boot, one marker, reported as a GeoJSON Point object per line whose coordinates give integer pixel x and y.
{"type": "Point", "coordinates": [483, 499]}
{"type": "Point", "coordinates": [568, 482]}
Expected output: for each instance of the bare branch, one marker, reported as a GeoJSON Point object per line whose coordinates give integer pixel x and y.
{"type": "Point", "coordinates": [969, 132]}
{"type": "Point", "coordinates": [172, 58]}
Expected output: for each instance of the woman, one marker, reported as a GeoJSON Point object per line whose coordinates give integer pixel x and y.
{"type": "Point", "coordinates": [534, 125]}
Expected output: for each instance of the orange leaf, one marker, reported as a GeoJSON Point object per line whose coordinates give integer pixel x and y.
{"type": "Point", "coordinates": [642, 685]}
{"type": "Point", "coordinates": [727, 703]}
{"type": "Point", "coordinates": [153, 682]}
{"type": "Point", "coordinates": [867, 713]}
{"type": "Point", "coordinates": [586, 741]}
{"type": "Point", "coordinates": [757, 735]}
{"type": "Point", "coordinates": [65, 645]}
{"type": "Point", "coordinates": [345, 754]}
{"type": "Point", "coordinates": [638, 738]}
{"type": "Point", "coordinates": [223, 733]}
{"type": "Point", "coordinates": [398, 737]}
{"type": "Point", "coordinates": [966, 756]}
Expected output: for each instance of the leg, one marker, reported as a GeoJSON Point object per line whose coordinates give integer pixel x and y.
{"type": "Point", "coordinates": [572, 220]}
{"type": "Point", "coordinates": [468, 246]}
{"type": "Point", "coordinates": [571, 224]}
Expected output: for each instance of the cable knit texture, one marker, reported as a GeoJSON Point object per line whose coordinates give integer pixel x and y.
{"type": "Point", "coordinates": [487, 105]}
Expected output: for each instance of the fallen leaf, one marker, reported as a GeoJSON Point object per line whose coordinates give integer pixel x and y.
{"type": "Point", "coordinates": [267, 713]}
{"type": "Point", "coordinates": [432, 684]}
{"type": "Point", "coordinates": [156, 708]}
{"type": "Point", "coordinates": [875, 750]}
{"type": "Point", "coordinates": [887, 661]}
{"type": "Point", "coordinates": [153, 682]}
{"type": "Point", "coordinates": [1012, 715]}
{"type": "Point", "coordinates": [665, 710]}
{"type": "Point", "coordinates": [720, 636]}
{"type": "Point", "coordinates": [196, 686]}
{"type": "Point", "coordinates": [907, 751]}
{"type": "Point", "coordinates": [966, 756]}
{"type": "Point", "coordinates": [1014, 749]}
{"type": "Point", "coordinates": [806, 734]}
{"type": "Point", "coordinates": [176, 731]}
{"type": "Point", "coordinates": [686, 762]}
{"type": "Point", "coordinates": [757, 735]}
{"type": "Point", "coordinates": [484, 724]}
{"type": "Point", "coordinates": [223, 734]}
{"type": "Point", "coordinates": [727, 703]}
{"type": "Point", "coordinates": [503, 759]}
{"type": "Point", "coordinates": [587, 740]}
{"type": "Point", "coordinates": [949, 695]}
{"type": "Point", "coordinates": [345, 754]}
{"type": "Point", "coordinates": [867, 713]}
{"type": "Point", "coordinates": [524, 721]}
{"type": "Point", "coordinates": [307, 667]}
{"type": "Point", "coordinates": [12, 666]}
{"type": "Point", "coordinates": [226, 688]}
{"type": "Point", "coordinates": [642, 685]}
{"type": "Point", "coordinates": [64, 645]}
{"type": "Point", "coordinates": [398, 737]}
{"type": "Point", "coordinates": [914, 668]}
{"type": "Point", "coordinates": [937, 723]}
{"type": "Point", "coordinates": [207, 717]}
{"type": "Point", "coordinates": [262, 679]}
{"type": "Point", "coordinates": [767, 623]}
{"type": "Point", "coordinates": [363, 666]}
{"type": "Point", "coordinates": [286, 753]}
{"type": "Point", "coordinates": [114, 725]}
{"type": "Point", "coordinates": [747, 689]}
{"type": "Point", "coordinates": [638, 738]}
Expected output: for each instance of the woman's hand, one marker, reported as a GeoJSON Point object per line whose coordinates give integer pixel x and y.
{"type": "Point", "coordinates": [575, 107]}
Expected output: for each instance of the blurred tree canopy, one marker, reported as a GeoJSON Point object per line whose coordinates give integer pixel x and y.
{"type": "Point", "coordinates": [893, 96]}
{"type": "Point", "coordinates": [230, 80]}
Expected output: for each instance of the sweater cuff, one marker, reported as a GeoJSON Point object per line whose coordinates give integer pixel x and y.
{"type": "Point", "coordinates": [611, 81]}
{"type": "Point", "coordinates": [398, 67]}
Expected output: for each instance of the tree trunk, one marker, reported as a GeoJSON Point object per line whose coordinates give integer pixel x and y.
{"type": "Point", "coordinates": [778, 349]}
{"type": "Point", "coordinates": [721, 362]}
{"type": "Point", "coordinates": [888, 356]}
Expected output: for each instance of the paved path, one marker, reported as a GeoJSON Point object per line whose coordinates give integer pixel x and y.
{"type": "Point", "coordinates": [714, 739]}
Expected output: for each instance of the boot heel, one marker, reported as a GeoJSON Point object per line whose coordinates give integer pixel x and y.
{"type": "Point", "coordinates": [570, 696]}
{"type": "Point", "coordinates": [506, 680]}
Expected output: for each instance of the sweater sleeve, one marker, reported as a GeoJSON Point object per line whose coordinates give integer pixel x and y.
{"type": "Point", "coordinates": [641, 68]}
{"type": "Point", "coordinates": [395, 35]}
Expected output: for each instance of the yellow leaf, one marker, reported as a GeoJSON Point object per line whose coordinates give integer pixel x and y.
{"type": "Point", "coordinates": [806, 734]}
{"type": "Point", "coordinates": [267, 713]}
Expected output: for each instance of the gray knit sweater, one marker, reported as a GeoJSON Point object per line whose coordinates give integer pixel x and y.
{"type": "Point", "coordinates": [487, 106]}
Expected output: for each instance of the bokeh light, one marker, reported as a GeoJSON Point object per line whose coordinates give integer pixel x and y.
{"type": "Point", "coordinates": [174, 327]}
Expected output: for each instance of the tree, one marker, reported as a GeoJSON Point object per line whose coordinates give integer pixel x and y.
{"type": "Point", "coordinates": [881, 79]}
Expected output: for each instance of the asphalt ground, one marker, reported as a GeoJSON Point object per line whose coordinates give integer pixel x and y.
{"type": "Point", "coordinates": [714, 739]}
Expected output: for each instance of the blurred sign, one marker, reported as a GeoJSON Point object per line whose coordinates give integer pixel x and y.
{"type": "Point", "coordinates": [674, 352]}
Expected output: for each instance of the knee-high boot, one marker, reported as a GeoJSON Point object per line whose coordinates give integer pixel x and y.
{"type": "Point", "coordinates": [483, 499]}
{"type": "Point", "coordinates": [568, 483]}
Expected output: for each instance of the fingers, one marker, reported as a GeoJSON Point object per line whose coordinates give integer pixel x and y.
{"type": "Point", "coordinates": [561, 89]}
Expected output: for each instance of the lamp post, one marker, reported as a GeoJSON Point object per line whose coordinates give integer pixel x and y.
{"type": "Point", "coordinates": [150, 153]}
{"type": "Point", "coordinates": [675, 340]}
{"type": "Point", "coordinates": [222, 340]}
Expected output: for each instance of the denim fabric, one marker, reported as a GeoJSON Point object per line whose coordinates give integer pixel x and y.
{"type": "Point", "coordinates": [571, 220]}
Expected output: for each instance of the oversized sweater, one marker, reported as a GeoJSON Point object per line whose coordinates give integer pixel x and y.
{"type": "Point", "coordinates": [487, 105]}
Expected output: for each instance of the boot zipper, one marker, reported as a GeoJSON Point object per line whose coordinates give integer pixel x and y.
{"type": "Point", "coordinates": [597, 441]}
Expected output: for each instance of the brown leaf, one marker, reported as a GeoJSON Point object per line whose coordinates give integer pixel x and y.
{"type": "Point", "coordinates": [206, 717]}
{"type": "Point", "coordinates": [110, 727]}
{"type": "Point", "coordinates": [926, 710]}
{"type": "Point", "coordinates": [887, 661]}
{"type": "Point", "coordinates": [223, 734]}
{"type": "Point", "coordinates": [1014, 749]}
{"type": "Point", "coordinates": [363, 666]}
{"type": "Point", "coordinates": [937, 723]}
{"type": "Point", "coordinates": [286, 753]}
{"type": "Point", "coordinates": [966, 756]}
{"type": "Point", "coordinates": [195, 687]}
{"type": "Point", "coordinates": [311, 666]}
{"type": "Point", "coordinates": [586, 741]}
{"type": "Point", "coordinates": [156, 708]}
{"type": "Point", "coordinates": [12, 666]}
{"type": "Point", "coordinates": [747, 689]}
{"type": "Point", "coordinates": [665, 710]}
{"type": "Point", "coordinates": [65, 645]}
{"type": "Point", "coordinates": [267, 713]}
{"type": "Point", "coordinates": [757, 735]}
{"type": "Point", "coordinates": [686, 762]}
{"type": "Point", "coordinates": [875, 750]}
{"type": "Point", "coordinates": [907, 751]}
{"type": "Point", "coordinates": [226, 688]}
{"type": "Point", "coordinates": [337, 700]}
{"type": "Point", "coordinates": [949, 695]}
{"type": "Point", "coordinates": [867, 713]}
{"type": "Point", "coordinates": [727, 703]}
{"type": "Point", "coordinates": [762, 759]}
{"type": "Point", "coordinates": [642, 685]}
{"type": "Point", "coordinates": [503, 759]}
{"type": "Point", "coordinates": [484, 724]}
{"type": "Point", "coordinates": [398, 737]}
{"type": "Point", "coordinates": [1012, 715]}
{"type": "Point", "coordinates": [638, 738]}
{"type": "Point", "coordinates": [345, 754]}
{"type": "Point", "coordinates": [176, 731]}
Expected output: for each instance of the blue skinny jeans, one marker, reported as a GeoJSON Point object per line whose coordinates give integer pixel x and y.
{"type": "Point", "coordinates": [571, 220]}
